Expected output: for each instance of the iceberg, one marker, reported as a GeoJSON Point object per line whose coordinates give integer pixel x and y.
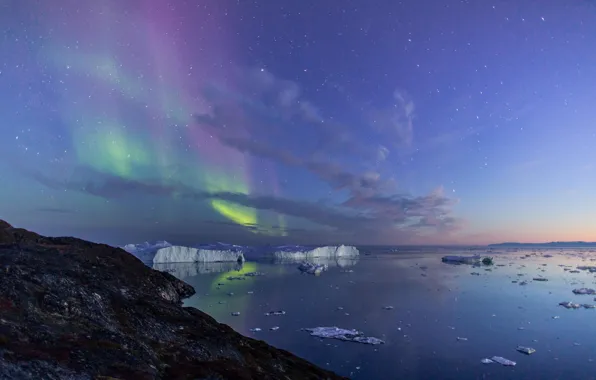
{"type": "Point", "coordinates": [202, 254]}
{"type": "Point", "coordinates": [301, 253]}
{"type": "Point", "coordinates": [145, 251]}
{"type": "Point", "coordinates": [501, 360]}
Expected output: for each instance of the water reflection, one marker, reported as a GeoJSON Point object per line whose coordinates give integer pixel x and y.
{"type": "Point", "coordinates": [433, 304]}
{"type": "Point", "coordinates": [184, 270]}
{"type": "Point", "coordinates": [342, 262]}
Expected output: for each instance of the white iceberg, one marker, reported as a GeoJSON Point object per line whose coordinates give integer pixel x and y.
{"type": "Point", "coordinates": [145, 251]}
{"type": "Point", "coordinates": [298, 252]}
{"type": "Point", "coordinates": [200, 254]}
{"type": "Point", "coordinates": [501, 360]}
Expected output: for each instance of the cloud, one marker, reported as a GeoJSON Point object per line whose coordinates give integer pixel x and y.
{"type": "Point", "coordinates": [362, 218]}
{"type": "Point", "coordinates": [382, 153]}
{"type": "Point", "coordinates": [396, 122]}
{"type": "Point", "coordinates": [332, 174]}
{"type": "Point", "coordinates": [275, 108]}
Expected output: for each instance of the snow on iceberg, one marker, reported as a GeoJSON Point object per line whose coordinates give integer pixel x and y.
{"type": "Point", "coordinates": [297, 252]}
{"type": "Point", "coordinates": [203, 253]}
{"type": "Point", "coordinates": [145, 251]}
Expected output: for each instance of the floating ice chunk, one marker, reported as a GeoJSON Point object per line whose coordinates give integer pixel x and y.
{"type": "Point", "coordinates": [256, 329]}
{"type": "Point", "coordinates": [503, 361]}
{"type": "Point", "coordinates": [343, 334]}
{"type": "Point", "coordinates": [584, 291]}
{"type": "Point", "coordinates": [460, 339]}
{"type": "Point", "coordinates": [274, 328]}
{"type": "Point", "coordinates": [388, 307]}
{"type": "Point", "coordinates": [204, 253]}
{"type": "Point", "coordinates": [311, 268]}
{"type": "Point", "coordinates": [525, 350]}
{"type": "Point", "coordinates": [486, 361]}
{"type": "Point", "coordinates": [461, 259]}
{"type": "Point", "coordinates": [254, 274]}
{"type": "Point", "coordinates": [277, 312]}
{"type": "Point", "coordinates": [570, 305]}
{"type": "Point", "coordinates": [235, 313]}
{"type": "Point", "coordinates": [589, 268]}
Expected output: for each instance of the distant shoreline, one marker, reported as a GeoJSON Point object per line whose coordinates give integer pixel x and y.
{"type": "Point", "coordinates": [554, 244]}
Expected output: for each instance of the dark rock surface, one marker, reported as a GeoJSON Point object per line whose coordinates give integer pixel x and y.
{"type": "Point", "coordinates": [71, 309]}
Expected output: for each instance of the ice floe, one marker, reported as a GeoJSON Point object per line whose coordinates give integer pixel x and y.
{"type": "Point", "coordinates": [343, 334]}
{"type": "Point", "coordinates": [587, 291]}
{"type": "Point", "coordinates": [525, 350]}
{"type": "Point", "coordinates": [501, 360]}
{"type": "Point", "coordinates": [311, 268]}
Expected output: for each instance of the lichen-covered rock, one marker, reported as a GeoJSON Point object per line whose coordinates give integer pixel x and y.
{"type": "Point", "coordinates": [71, 309]}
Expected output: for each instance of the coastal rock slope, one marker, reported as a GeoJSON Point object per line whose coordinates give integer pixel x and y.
{"type": "Point", "coordinates": [71, 309]}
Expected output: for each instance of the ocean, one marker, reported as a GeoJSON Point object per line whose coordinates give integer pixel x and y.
{"type": "Point", "coordinates": [438, 321]}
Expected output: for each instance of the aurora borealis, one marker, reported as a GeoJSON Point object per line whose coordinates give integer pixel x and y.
{"type": "Point", "coordinates": [277, 122]}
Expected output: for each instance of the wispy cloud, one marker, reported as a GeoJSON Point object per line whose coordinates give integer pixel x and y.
{"type": "Point", "coordinates": [361, 218]}
{"type": "Point", "coordinates": [333, 174]}
{"type": "Point", "coordinates": [396, 122]}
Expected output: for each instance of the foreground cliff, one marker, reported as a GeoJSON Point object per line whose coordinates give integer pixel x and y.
{"type": "Point", "coordinates": [71, 309]}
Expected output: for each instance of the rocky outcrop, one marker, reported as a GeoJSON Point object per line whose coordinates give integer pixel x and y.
{"type": "Point", "coordinates": [71, 309]}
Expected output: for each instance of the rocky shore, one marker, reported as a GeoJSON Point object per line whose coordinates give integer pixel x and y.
{"type": "Point", "coordinates": [71, 309]}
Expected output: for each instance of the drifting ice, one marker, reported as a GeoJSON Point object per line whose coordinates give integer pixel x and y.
{"type": "Point", "coordinates": [311, 268]}
{"type": "Point", "coordinates": [206, 253]}
{"type": "Point", "coordinates": [343, 334]}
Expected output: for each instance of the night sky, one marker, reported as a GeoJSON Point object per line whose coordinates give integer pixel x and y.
{"type": "Point", "coordinates": [279, 121]}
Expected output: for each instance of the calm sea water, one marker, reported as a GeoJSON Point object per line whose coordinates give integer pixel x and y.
{"type": "Point", "coordinates": [434, 304]}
